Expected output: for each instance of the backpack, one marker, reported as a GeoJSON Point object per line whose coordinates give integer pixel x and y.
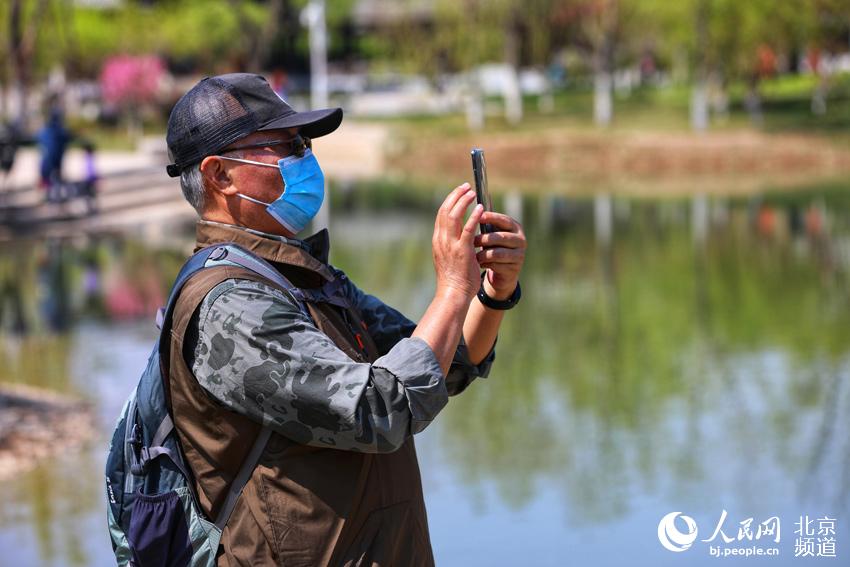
{"type": "Point", "coordinates": [153, 513]}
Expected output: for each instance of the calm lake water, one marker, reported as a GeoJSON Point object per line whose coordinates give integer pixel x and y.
{"type": "Point", "coordinates": [675, 356]}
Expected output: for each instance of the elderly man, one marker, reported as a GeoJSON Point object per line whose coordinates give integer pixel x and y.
{"type": "Point", "coordinates": [344, 383]}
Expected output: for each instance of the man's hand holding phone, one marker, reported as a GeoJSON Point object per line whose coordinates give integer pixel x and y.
{"type": "Point", "coordinates": [501, 239]}
{"type": "Point", "coordinates": [502, 254]}
{"type": "Point", "coordinates": [459, 255]}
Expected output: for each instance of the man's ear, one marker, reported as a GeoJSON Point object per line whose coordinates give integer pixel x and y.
{"type": "Point", "coordinates": [216, 176]}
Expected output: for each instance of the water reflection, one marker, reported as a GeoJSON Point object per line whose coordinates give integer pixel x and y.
{"type": "Point", "coordinates": [48, 285]}
{"type": "Point", "coordinates": [692, 353]}
{"type": "Point", "coordinates": [666, 355]}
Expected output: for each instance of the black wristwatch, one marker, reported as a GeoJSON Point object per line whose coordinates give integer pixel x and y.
{"type": "Point", "coordinates": [501, 305]}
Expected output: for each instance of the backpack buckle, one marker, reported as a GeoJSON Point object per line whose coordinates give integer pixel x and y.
{"type": "Point", "coordinates": [139, 465]}
{"type": "Point", "coordinates": [144, 457]}
{"type": "Point", "coordinates": [218, 254]}
{"type": "Point", "coordinates": [138, 453]}
{"type": "Point", "coordinates": [160, 318]}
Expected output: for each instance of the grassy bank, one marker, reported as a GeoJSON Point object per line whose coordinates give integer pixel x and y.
{"type": "Point", "coordinates": [786, 107]}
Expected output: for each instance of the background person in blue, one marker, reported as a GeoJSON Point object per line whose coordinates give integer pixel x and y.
{"type": "Point", "coordinates": [345, 386]}
{"type": "Point", "coordinates": [53, 139]}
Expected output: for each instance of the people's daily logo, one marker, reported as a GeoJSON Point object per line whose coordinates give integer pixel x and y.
{"type": "Point", "coordinates": [749, 537]}
{"type": "Point", "coordinates": [671, 537]}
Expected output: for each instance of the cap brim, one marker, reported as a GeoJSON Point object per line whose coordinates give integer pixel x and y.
{"type": "Point", "coordinates": [312, 124]}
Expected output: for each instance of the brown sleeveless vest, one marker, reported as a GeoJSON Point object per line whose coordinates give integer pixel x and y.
{"type": "Point", "coordinates": [303, 505]}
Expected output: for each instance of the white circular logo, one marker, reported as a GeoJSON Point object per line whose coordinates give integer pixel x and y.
{"type": "Point", "coordinates": [670, 536]}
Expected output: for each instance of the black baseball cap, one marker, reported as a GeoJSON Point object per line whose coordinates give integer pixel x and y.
{"type": "Point", "coordinates": [220, 110]}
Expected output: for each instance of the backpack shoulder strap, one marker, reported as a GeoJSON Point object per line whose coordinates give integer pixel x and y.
{"type": "Point", "coordinates": [193, 265]}
{"type": "Point", "coordinates": [212, 257]}
{"type": "Point", "coordinates": [224, 254]}
{"type": "Point", "coordinates": [158, 448]}
{"type": "Point", "coordinates": [238, 256]}
{"type": "Point", "coordinates": [242, 478]}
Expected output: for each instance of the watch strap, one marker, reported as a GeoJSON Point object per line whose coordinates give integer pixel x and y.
{"type": "Point", "coordinates": [498, 304]}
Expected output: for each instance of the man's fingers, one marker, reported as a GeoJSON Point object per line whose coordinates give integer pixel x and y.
{"type": "Point", "coordinates": [501, 221]}
{"type": "Point", "coordinates": [458, 211]}
{"type": "Point", "coordinates": [501, 239]}
{"type": "Point", "coordinates": [452, 198]}
{"type": "Point", "coordinates": [472, 222]}
{"type": "Point", "coordinates": [500, 256]}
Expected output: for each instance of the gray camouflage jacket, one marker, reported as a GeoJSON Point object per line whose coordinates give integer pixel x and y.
{"type": "Point", "coordinates": [257, 353]}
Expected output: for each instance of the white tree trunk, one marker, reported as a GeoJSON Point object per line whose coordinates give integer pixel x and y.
{"type": "Point", "coordinates": [603, 218]}
{"type": "Point", "coordinates": [603, 104]}
{"type": "Point", "coordinates": [819, 97]}
{"type": "Point", "coordinates": [474, 104]}
{"type": "Point", "coordinates": [514, 205]}
{"type": "Point", "coordinates": [699, 218]}
{"type": "Point", "coordinates": [18, 108]}
{"type": "Point", "coordinates": [752, 102]}
{"type": "Point", "coordinates": [699, 106]}
{"type": "Point", "coordinates": [313, 17]}
{"type": "Point", "coordinates": [718, 98]}
{"type": "Point", "coordinates": [546, 101]}
{"type": "Point", "coordinates": [513, 97]}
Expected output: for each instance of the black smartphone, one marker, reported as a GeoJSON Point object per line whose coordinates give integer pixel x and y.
{"type": "Point", "coordinates": [479, 173]}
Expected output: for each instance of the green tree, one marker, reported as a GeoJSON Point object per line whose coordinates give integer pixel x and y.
{"type": "Point", "coordinates": [608, 34]}
{"type": "Point", "coordinates": [829, 26]}
{"type": "Point", "coordinates": [459, 36]}
{"type": "Point", "coordinates": [208, 34]}
{"type": "Point", "coordinates": [23, 21]}
{"type": "Point", "coordinates": [725, 41]}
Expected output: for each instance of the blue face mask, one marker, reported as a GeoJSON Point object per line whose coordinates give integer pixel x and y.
{"type": "Point", "coordinates": [303, 191]}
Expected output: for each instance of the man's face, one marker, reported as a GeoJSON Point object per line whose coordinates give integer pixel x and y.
{"type": "Point", "coordinates": [258, 182]}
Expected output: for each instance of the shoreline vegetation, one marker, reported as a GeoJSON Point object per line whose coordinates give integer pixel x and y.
{"type": "Point", "coordinates": [36, 424]}
{"type": "Point", "coordinates": [640, 164]}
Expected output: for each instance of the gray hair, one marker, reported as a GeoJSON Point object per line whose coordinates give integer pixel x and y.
{"type": "Point", "coordinates": [192, 184]}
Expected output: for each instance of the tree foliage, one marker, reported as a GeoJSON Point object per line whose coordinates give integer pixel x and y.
{"type": "Point", "coordinates": [727, 37]}
{"type": "Point", "coordinates": [205, 34]}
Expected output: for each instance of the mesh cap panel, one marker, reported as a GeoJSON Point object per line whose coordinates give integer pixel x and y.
{"type": "Point", "coordinates": [221, 110]}
{"type": "Point", "coordinates": [207, 119]}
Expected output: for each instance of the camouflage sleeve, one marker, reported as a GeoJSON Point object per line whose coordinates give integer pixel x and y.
{"type": "Point", "coordinates": [388, 326]}
{"type": "Point", "coordinates": [259, 355]}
